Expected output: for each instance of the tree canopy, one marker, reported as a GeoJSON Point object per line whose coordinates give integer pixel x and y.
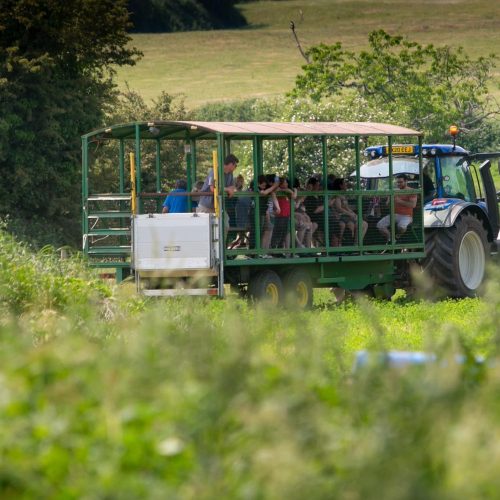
{"type": "Point", "coordinates": [184, 15]}
{"type": "Point", "coordinates": [425, 87]}
{"type": "Point", "coordinates": [56, 68]}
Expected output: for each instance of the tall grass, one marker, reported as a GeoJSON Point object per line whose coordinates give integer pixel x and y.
{"type": "Point", "coordinates": [42, 280]}
{"type": "Point", "coordinates": [202, 398]}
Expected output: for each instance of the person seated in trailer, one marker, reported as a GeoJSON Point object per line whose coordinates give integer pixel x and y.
{"type": "Point", "coordinates": [195, 198]}
{"type": "Point", "coordinates": [268, 207]}
{"type": "Point", "coordinates": [242, 215]}
{"type": "Point", "coordinates": [372, 213]}
{"type": "Point", "coordinates": [330, 179]}
{"type": "Point", "coordinates": [303, 225]}
{"type": "Point", "coordinates": [347, 218]}
{"type": "Point", "coordinates": [176, 201]}
{"type": "Point", "coordinates": [403, 209]}
{"type": "Point", "coordinates": [315, 208]}
{"type": "Point", "coordinates": [206, 203]}
{"type": "Point", "coordinates": [231, 202]}
{"type": "Point", "coordinates": [281, 233]}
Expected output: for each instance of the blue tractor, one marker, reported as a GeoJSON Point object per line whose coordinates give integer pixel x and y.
{"type": "Point", "coordinates": [460, 215]}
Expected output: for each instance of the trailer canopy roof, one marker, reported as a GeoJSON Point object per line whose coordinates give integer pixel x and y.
{"type": "Point", "coordinates": [209, 130]}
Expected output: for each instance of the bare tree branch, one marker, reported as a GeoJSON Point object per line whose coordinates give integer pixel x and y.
{"type": "Point", "coordinates": [299, 46]}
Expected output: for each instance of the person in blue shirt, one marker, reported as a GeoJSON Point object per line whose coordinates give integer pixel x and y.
{"type": "Point", "coordinates": [176, 204]}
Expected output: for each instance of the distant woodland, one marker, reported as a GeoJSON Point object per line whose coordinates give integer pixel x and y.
{"type": "Point", "coordinates": [157, 16]}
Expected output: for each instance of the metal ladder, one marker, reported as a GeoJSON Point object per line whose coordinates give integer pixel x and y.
{"type": "Point", "coordinates": [106, 235]}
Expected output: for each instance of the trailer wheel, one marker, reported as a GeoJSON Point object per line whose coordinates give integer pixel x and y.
{"type": "Point", "coordinates": [298, 289]}
{"type": "Point", "coordinates": [383, 291]}
{"type": "Point", "coordinates": [266, 286]}
{"type": "Point", "coordinates": [456, 256]}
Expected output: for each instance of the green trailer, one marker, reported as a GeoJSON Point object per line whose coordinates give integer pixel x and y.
{"type": "Point", "coordinates": [129, 169]}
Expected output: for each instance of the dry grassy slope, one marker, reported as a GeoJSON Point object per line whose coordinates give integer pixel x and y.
{"type": "Point", "coordinates": [263, 59]}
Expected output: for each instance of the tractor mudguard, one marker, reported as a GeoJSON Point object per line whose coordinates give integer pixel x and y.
{"type": "Point", "coordinates": [445, 214]}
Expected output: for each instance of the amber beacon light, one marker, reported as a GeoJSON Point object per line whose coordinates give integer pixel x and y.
{"type": "Point", "coordinates": [454, 132]}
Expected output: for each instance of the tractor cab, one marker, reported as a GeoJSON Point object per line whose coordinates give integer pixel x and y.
{"type": "Point", "coordinates": [445, 171]}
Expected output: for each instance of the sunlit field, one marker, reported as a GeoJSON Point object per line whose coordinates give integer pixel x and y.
{"type": "Point", "coordinates": [263, 59]}
{"type": "Point", "coordinates": [106, 394]}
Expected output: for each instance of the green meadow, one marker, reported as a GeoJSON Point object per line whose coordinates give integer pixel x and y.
{"type": "Point", "coordinates": [104, 394]}
{"type": "Point", "coordinates": [108, 394]}
{"type": "Point", "coordinates": [262, 60]}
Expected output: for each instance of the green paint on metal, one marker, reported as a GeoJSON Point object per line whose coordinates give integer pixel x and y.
{"type": "Point", "coordinates": [351, 266]}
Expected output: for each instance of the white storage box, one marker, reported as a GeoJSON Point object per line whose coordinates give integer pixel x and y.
{"type": "Point", "coordinates": [171, 244]}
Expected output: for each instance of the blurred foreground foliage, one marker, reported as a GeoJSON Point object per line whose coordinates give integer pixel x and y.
{"type": "Point", "coordinates": [105, 395]}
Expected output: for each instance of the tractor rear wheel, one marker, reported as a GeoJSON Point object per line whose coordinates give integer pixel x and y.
{"type": "Point", "coordinates": [456, 256]}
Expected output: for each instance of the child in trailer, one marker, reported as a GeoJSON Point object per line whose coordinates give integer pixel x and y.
{"type": "Point", "coordinates": [304, 226]}
{"type": "Point", "coordinates": [347, 218]}
{"type": "Point", "coordinates": [242, 212]}
{"type": "Point", "coordinates": [281, 234]}
{"type": "Point", "coordinates": [176, 201]}
{"type": "Point", "coordinates": [268, 206]}
{"type": "Point", "coordinates": [315, 210]}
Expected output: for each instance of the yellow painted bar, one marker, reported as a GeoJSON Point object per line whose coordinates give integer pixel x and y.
{"type": "Point", "coordinates": [216, 182]}
{"type": "Point", "coordinates": [133, 193]}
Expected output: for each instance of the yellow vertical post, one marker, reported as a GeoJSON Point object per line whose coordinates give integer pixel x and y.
{"type": "Point", "coordinates": [216, 182]}
{"type": "Point", "coordinates": [133, 193]}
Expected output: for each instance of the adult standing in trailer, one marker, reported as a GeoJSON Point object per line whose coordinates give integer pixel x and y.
{"type": "Point", "coordinates": [206, 203]}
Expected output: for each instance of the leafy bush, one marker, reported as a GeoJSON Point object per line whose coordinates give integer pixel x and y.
{"type": "Point", "coordinates": [42, 280]}
{"type": "Point", "coordinates": [209, 399]}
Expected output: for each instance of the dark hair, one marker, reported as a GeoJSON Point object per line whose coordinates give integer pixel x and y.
{"type": "Point", "coordinates": [312, 180]}
{"type": "Point", "coordinates": [296, 183]}
{"type": "Point", "coordinates": [261, 179]}
{"type": "Point", "coordinates": [230, 158]}
{"type": "Point", "coordinates": [402, 176]}
{"type": "Point", "coordinates": [270, 178]}
{"type": "Point", "coordinates": [337, 183]}
{"type": "Point", "coordinates": [181, 184]}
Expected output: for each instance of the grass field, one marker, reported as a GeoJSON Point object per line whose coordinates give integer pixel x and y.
{"type": "Point", "coordinates": [263, 60]}
{"type": "Point", "coordinates": [193, 398]}
{"type": "Point", "coordinates": [104, 394]}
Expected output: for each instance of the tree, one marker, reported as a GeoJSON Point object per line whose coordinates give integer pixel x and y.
{"type": "Point", "coordinates": [427, 87]}
{"type": "Point", "coordinates": [131, 107]}
{"type": "Point", "coordinates": [56, 69]}
{"type": "Point", "coordinates": [184, 15]}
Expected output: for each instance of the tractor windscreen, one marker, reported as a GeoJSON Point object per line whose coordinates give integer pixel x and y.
{"type": "Point", "coordinates": [375, 173]}
{"type": "Point", "coordinates": [454, 174]}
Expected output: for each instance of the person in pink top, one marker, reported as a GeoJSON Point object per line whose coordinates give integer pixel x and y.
{"type": "Point", "coordinates": [281, 233]}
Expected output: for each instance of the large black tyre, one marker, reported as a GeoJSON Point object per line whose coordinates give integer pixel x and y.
{"type": "Point", "coordinates": [298, 289]}
{"type": "Point", "coordinates": [456, 256]}
{"type": "Point", "coordinates": [266, 286]}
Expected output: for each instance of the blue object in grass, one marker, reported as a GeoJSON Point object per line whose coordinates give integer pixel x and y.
{"type": "Point", "coordinates": [400, 359]}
